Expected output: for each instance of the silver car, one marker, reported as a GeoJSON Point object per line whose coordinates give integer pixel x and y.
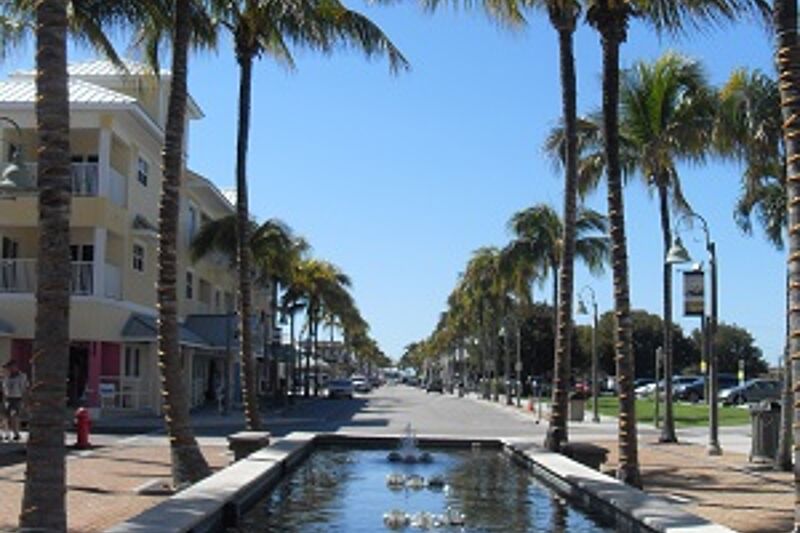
{"type": "Point", "coordinates": [340, 388]}
{"type": "Point", "coordinates": [754, 390]}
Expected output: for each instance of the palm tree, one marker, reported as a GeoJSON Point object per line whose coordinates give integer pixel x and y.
{"type": "Point", "coordinates": [610, 18]}
{"type": "Point", "coordinates": [43, 501]}
{"type": "Point", "coordinates": [188, 463]}
{"type": "Point", "coordinates": [749, 131]}
{"type": "Point", "coordinates": [262, 27]}
{"type": "Point", "coordinates": [788, 60]}
{"type": "Point", "coordinates": [319, 285]}
{"type": "Point", "coordinates": [667, 111]}
{"type": "Point", "coordinates": [537, 251]}
{"type": "Point", "coordinates": [563, 16]}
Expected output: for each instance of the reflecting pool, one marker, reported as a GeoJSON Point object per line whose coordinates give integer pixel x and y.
{"type": "Point", "coordinates": [347, 490]}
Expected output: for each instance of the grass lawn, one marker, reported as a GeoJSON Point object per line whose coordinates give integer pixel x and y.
{"type": "Point", "coordinates": [686, 414]}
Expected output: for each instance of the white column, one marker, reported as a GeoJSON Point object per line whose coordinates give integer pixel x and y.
{"type": "Point", "coordinates": [104, 163]}
{"type": "Point", "coordinates": [99, 266]}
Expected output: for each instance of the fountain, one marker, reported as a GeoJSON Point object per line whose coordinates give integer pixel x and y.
{"type": "Point", "coordinates": [395, 519]}
{"type": "Point", "coordinates": [408, 452]}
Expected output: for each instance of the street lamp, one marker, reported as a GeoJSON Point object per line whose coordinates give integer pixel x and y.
{"type": "Point", "coordinates": [678, 254]}
{"type": "Point", "coordinates": [15, 177]}
{"type": "Point", "coordinates": [582, 310]}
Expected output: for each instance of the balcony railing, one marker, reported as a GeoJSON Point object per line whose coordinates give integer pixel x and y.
{"type": "Point", "coordinates": [19, 276]}
{"type": "Point", "coordinates": [85, 178]}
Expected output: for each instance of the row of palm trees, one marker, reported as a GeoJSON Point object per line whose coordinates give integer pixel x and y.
{"type": "Point", "coordinates": [610, 18]}
{"type": "Point", "coordinates": [258, 28]}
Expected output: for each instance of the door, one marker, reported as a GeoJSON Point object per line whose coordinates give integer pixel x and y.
{"type": "Point", "coordinates": [77, 374]}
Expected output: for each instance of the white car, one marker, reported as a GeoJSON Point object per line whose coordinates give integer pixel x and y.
{"type": "Point", "coordinates": [340, 388]}
{"type": "Point", "coordinates": [361, 384]}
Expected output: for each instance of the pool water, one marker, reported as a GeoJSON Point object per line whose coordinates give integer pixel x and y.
{"type": "Point", "coordinates": [345, 490]}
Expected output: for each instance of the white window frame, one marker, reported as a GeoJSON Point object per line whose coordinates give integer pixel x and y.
{"type": "Point", "coordinates": [143, 259]}
{"type": "Point", "coordinates": [132, 360]}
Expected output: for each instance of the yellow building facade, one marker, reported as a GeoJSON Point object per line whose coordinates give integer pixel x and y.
{"type": "Point", "coordinates": [117, 128]}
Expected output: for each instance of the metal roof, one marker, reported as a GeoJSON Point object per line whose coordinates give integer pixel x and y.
{"type": "Point", "coordinates": [101, 68]}
{"type": "Point", "coordinates": [23, 91]}
{"type": "Point", "coordinates": [141, 326]}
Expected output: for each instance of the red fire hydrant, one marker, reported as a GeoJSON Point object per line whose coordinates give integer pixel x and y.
{"type": "Point", "coordinates": [83, 424]}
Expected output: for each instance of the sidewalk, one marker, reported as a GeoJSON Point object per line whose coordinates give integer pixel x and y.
{"type": "Point", "coordinates": [726, 489]}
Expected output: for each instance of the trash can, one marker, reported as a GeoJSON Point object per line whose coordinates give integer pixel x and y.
{"type": "Point", "coordinates": [577, 406]}
{"type": "Point", "coordinates": [766, 423]}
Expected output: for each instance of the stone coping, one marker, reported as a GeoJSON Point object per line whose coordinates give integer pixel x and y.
{"type": "Point", "coordinates": [219, 500]}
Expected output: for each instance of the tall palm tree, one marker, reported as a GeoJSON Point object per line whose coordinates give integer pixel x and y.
{"type": "Point", "coordinates": [563, 16]}
{"type": "Point", "coordinates": [43, 505]}
{"type": "Point", "coordinates": [788, 59]}
{"type": "Point", "coordinates": [188, 463]}
{"type": "Point", "coordinates": [749, 131]}
{"type": "Point", "coordinates": [667, 113]}
{"type": "Point", "coordinates": [43, 501]}
{"type": "Point", "coordinates": [537, 251]}
{"type": "Point", "coordinates": [262, 27]}
{"type": "Point", "coordinates": [610, 18]}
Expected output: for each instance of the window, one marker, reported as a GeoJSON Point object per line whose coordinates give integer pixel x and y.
{"type": "Point", "coordinates": [143, 171]}
{"type": "Point", "coordinates": [189, 285]}
{"type": "Point", "coordinates": [217, 301]}
{"type": "Point", "coordinates": [138, 257]}
{"type": "Point", "coordinates": [132, 361]}
{"type": "Point", "coordinates": [83, 253]}
{"type": "Point", "coordinates": [10, 249]}
{"type": "Point", "coordinates": [191, 223]}
{"type": "Point", "coordinates": [204, 290]}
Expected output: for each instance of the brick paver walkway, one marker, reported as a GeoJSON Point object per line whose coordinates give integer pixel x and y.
{"type": "Point", "coordinates": [724, 489]}
{"type": "Point", "coordinates": [101, 484]}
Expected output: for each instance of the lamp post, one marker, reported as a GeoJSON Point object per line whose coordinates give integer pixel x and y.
{"type": "Point", "coordinates": [582, 310]}
{"type": "Point", "coordinates": [678, 254]}
{"type": "Point", "coordinates": [15, 178]}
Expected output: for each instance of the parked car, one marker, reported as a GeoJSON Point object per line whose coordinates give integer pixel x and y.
{"type": "Point", "coordinates": [696, 390]}
{"type": "Point", "coordinates": [360, 384]}
{"type": "Point", "coordinates": [650, 388]}
{"type": "Point", "coordinates": [434, 385]}
{"type": "Point", "coordinates": [754, 390]}
{"type": "Point", "coordinates": [340, 388]}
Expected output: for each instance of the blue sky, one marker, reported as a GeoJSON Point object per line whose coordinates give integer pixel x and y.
{"type": "Point", "coordinates": [397, 179]}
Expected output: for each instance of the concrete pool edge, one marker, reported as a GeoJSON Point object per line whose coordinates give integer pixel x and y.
{"type": "Point", "coordinates": [219, 500]}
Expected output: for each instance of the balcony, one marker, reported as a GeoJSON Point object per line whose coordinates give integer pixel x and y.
{"type": "Point", "coordinates": [19, 276]}
{"type": "Point", "coordinates": [85, 179]}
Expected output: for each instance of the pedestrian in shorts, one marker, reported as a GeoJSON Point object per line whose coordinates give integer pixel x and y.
{"type": "Point", "coordinates": [15, 389]}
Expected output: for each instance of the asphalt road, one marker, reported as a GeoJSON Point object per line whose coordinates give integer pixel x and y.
{"type": "Point", "coordinates": [386, 410]}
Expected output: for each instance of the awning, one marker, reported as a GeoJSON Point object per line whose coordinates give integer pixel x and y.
{"type": "Point", "coordinates": [143, 327]}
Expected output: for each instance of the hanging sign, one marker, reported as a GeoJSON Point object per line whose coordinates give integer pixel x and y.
{"type": "Point", "coordinates": [693, 293]}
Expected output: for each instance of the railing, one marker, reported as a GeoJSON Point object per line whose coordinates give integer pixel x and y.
{"type": "Point", "coordinates": [121, 392]}
{"type": "Point", "coordinates": [19, 275]}
{"type": "Point", "coordinates": [82, 283]}
{"type": "Point", "coordinates": [113, 282]}
{"type": "Point", "coordinates": [85, 178]}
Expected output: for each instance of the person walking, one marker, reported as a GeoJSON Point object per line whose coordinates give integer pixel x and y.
{"type": "Point", "coordinates": [15, 390]}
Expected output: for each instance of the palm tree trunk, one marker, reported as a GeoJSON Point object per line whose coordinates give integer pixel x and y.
{"type": "Point", "coordinates": [788, 59]}
{"type": "Point", "coordinates": [307, 379]}
{"type": "Point", "coordinates": [783, 461]}
{"type": "Point", "coordinates": [668, 429]}
{"type": "Point", "coordinates": [251, 414]}
{"type": "Point", "coordinates": [43, 500]}
{"type": "Point", "coordinates": [316, 357]}
{"type": "Point", "coordinates": [557, 431]}
{"type": "Point", "coordinates": [612, 25]}
{"type": "Point", "coordinates": [188, 463]}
